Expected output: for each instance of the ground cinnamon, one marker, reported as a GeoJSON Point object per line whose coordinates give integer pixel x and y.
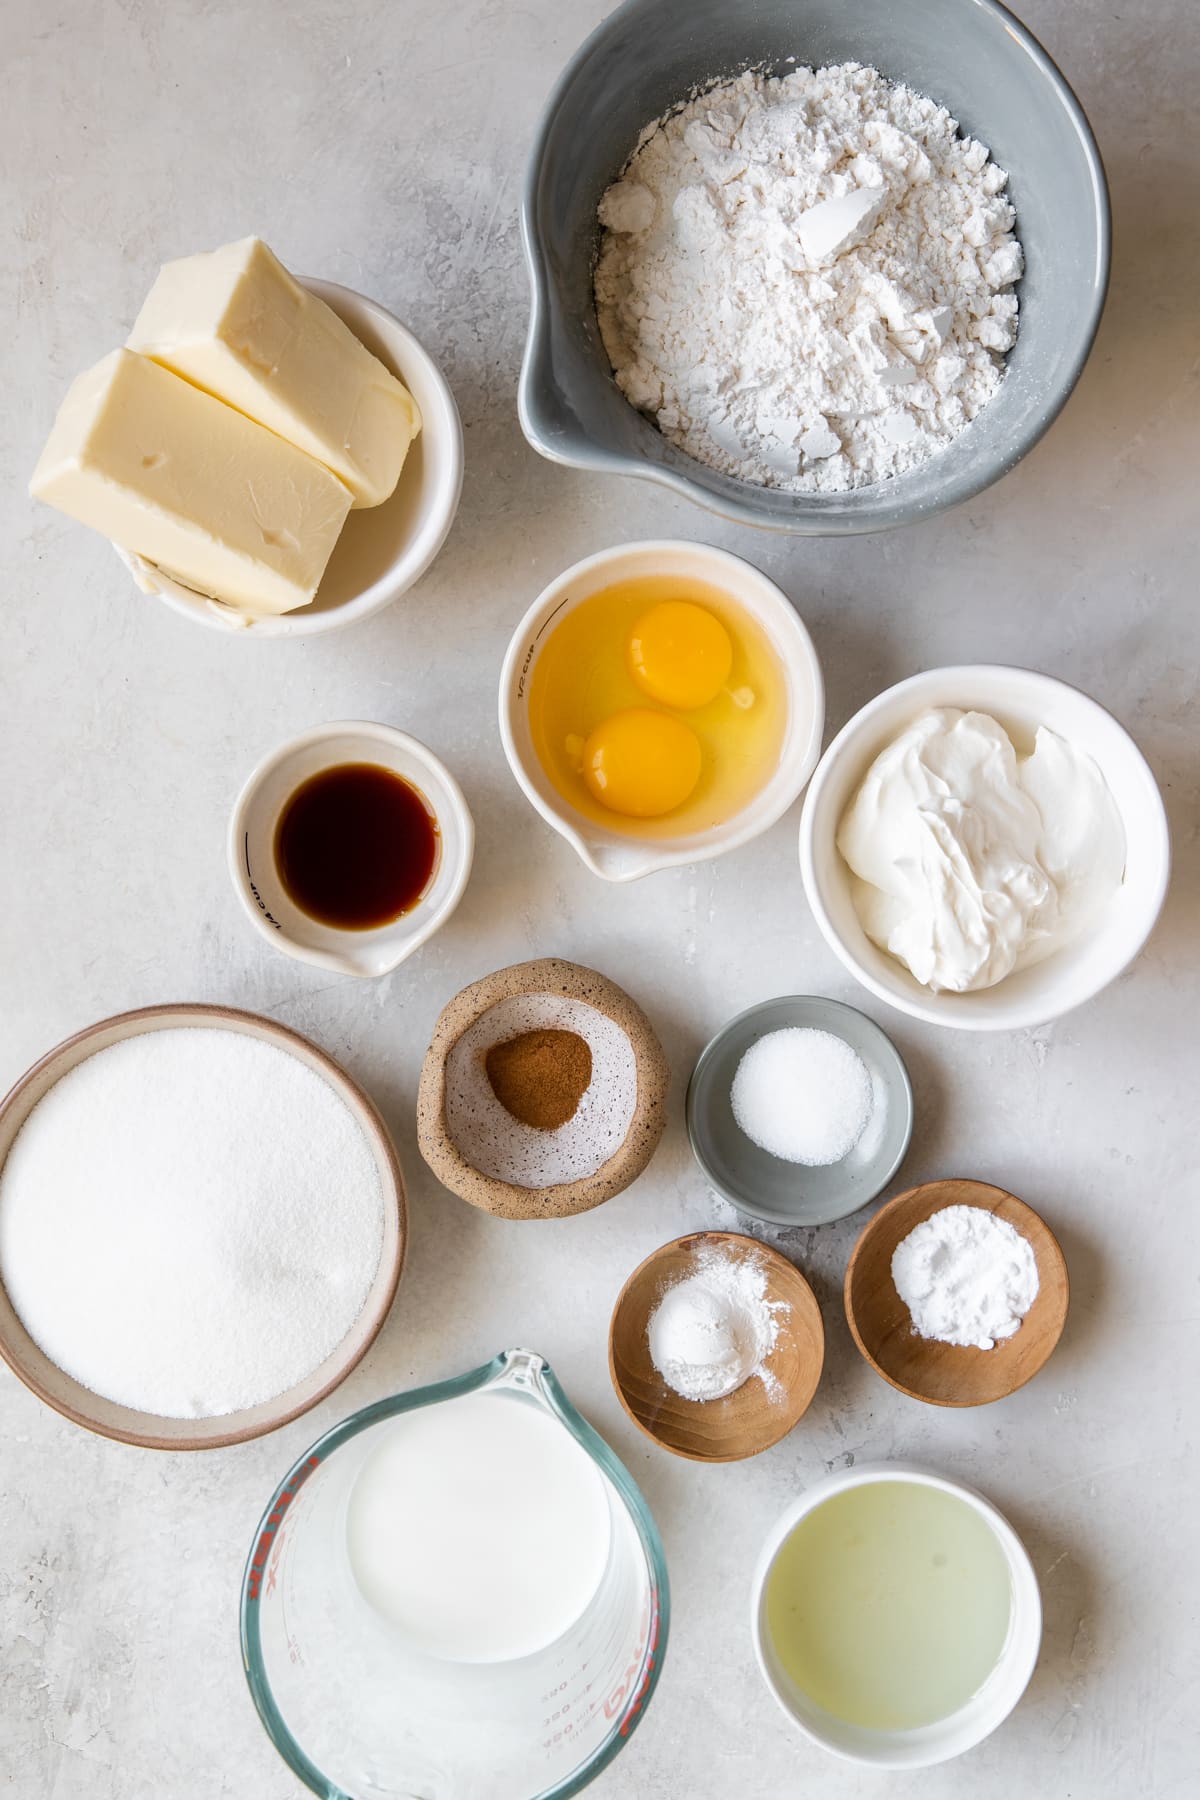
{"type": "Point", "coordinates": [540, 1076]}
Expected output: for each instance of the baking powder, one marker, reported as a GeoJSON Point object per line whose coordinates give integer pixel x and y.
{"type": "Point", "coordinates": [713, 1330]}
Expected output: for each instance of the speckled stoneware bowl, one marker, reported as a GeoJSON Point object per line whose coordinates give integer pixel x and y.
{"type": "Point", "coordinates": [973, 57]}
{"type": "Point", "coordinates": [467, 1137]}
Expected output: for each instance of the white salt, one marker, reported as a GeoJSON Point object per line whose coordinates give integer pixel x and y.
{"type": "Point", "coordinates": [802, 1095]}
{"type": "Point", "coordinates": [190, 1222]}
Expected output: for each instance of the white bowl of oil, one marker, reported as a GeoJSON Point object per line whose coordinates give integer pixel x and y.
{"type": "Point", "coordinates": [661, 703]}
{"type": "Point", "coordinates": [896, 1616]}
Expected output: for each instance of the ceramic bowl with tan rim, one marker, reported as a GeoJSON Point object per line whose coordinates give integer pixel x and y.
{"type": "Point", "coordinates": [757, 1414]}
{"type": "Point", "coordinates": [383, 550]}
{"type": "Point", "coordinates": [924, 1368]}
{"type": "Point", "coordinates": [150, 1430]}
{"type": "Point", "coordinates": [254, 870]}
{"type": "Point", "coordinates": [608, 851]}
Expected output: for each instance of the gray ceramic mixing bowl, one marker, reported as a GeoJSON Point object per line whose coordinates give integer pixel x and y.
{"type": "Point", "coordinates": [761, 1185]}
{"type": "Point", "coordinates": [971, 55]}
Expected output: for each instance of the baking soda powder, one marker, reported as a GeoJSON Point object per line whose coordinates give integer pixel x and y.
{"type": "Point", "coordinates": [966, 1277]}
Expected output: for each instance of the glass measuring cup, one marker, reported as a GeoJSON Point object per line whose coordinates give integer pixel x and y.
{"type": "Point", "coordinates": [361, 1713]}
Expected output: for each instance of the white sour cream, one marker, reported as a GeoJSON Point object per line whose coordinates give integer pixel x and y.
{"type": "Point", "coordinates": [971, 861]}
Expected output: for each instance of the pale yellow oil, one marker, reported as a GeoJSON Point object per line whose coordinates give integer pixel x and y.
{"type": "Point", "coordinates": [581, 677]}
{"type": "Point", "coordinates": [889, 1604]}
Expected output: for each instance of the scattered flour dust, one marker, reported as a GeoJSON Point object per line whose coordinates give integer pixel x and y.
{"type": "Point", "coordinates": [807, 280]}
{"type": "Point", "coordinates": [714, 1329]}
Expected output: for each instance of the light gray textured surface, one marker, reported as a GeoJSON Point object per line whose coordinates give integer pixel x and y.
{"type": "Point", "coordinates": [383, 147]}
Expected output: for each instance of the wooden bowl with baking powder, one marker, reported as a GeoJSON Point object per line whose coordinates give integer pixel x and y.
{"type": "Point", "coordinates": [757, 1414]}
{"type": "Point", "coordinates": [951, 1374]}
{"type": "Point", "coordinates": [150, 1430]}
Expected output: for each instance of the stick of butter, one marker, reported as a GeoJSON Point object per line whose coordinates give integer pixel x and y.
{"type": "Point", "coordinates": [173, 475]}
{"type": "Point", "coordinates": [236, 323]}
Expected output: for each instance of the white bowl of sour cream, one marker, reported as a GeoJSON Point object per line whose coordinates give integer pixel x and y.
{"type": "Point", "coordinates": [1075, 957]}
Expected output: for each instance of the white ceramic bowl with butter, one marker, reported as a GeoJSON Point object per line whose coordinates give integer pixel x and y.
{"type": "Point", "coordinates": [1021, 700]}
{"type": "Point", "coordinates": [924, 1745]}
{"type": "Point", "coordinates": [609, 852]}
{"type": "Point", "coordinates": [383, 550]}
{"type": "Point", "coordinates": [250, 848]}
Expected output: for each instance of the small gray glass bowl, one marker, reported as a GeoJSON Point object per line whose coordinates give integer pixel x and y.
{"type": "Point", "coordinates": [763, 1186]}
{"type": "Point", "coordinates": [972, 56]}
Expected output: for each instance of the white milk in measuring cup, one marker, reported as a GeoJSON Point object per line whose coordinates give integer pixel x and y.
{"type": "Point", "coordinates": [458, 1592]}
{"type": "Point", "coordinates": [480, 1530]}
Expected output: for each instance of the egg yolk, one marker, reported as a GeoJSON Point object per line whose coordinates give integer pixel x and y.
{"type": "Point", "coordinates": [642, 763]}
{"type": "Point", "coordinates": [680, 654]}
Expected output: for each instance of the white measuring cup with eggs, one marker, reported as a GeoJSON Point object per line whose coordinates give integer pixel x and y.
{"type": "Point", "coordinates": [458, 1590]}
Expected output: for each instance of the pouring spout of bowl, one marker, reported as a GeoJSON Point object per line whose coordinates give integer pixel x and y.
{"type": "Point", "coordinates": [522, 1370]}
{"type": "Point", "coordinates": [369, 963]}
{"type": "Point", "coordinates": [621, 862]}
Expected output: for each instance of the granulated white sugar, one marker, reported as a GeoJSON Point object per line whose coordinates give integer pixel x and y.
{"type": "Point", "coordinates": [190, 1222]}
{"type": "Point", "coordinates": [486, 1133]}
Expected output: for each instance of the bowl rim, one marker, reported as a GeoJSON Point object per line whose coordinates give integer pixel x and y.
{"type": "Point", "coordinates": [1055, 1251]}
{"type": "Point", "coordinates": [140, 1429]}
{"type": "Point", "coordinates": [1016, 1554]}
{"type": "Point", "coordinates": [658, 854]}
{"type": "Point", "coordinates": [931, 1011]}
{"type": "Point", "coordinates": [459, 812]}
{"type": "Point", "coordinates": [876, 513]}
{"type": "Point", "coordinates": [417, 555]}
{"type": "Point", "coordinates": [789, 1419]}
{"type": "Point", "coordinates": [708, 1055]}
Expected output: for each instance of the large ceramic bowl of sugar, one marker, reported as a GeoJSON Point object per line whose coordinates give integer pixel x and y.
{"type": "Point", "coordinates": [155, 1431]}
{"type": "Point", "coordinates": [974, 58]}
{"type": "Point", "coordinates": [1020, 700]}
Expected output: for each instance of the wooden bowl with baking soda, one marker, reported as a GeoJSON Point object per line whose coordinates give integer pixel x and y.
{"type": "Point", "coordinates": [766, 1405]}
{"type": "Point", "coordinates": [944, 1374]}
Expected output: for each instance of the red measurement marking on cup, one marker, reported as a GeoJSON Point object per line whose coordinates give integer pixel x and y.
{"type": "Point", "coordinates": [635, 1704]}
{"type": "Point", "coordinates": [271, 1525]}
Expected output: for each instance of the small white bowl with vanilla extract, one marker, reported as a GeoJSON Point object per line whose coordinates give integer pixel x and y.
{"type": "Point", "coordinates": [896, 1616]}
{"type": "Point", "coordinates": [349, 846]}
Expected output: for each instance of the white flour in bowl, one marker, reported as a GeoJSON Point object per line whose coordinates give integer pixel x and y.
{"type": "Point", "coordinates": [808, 280]}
